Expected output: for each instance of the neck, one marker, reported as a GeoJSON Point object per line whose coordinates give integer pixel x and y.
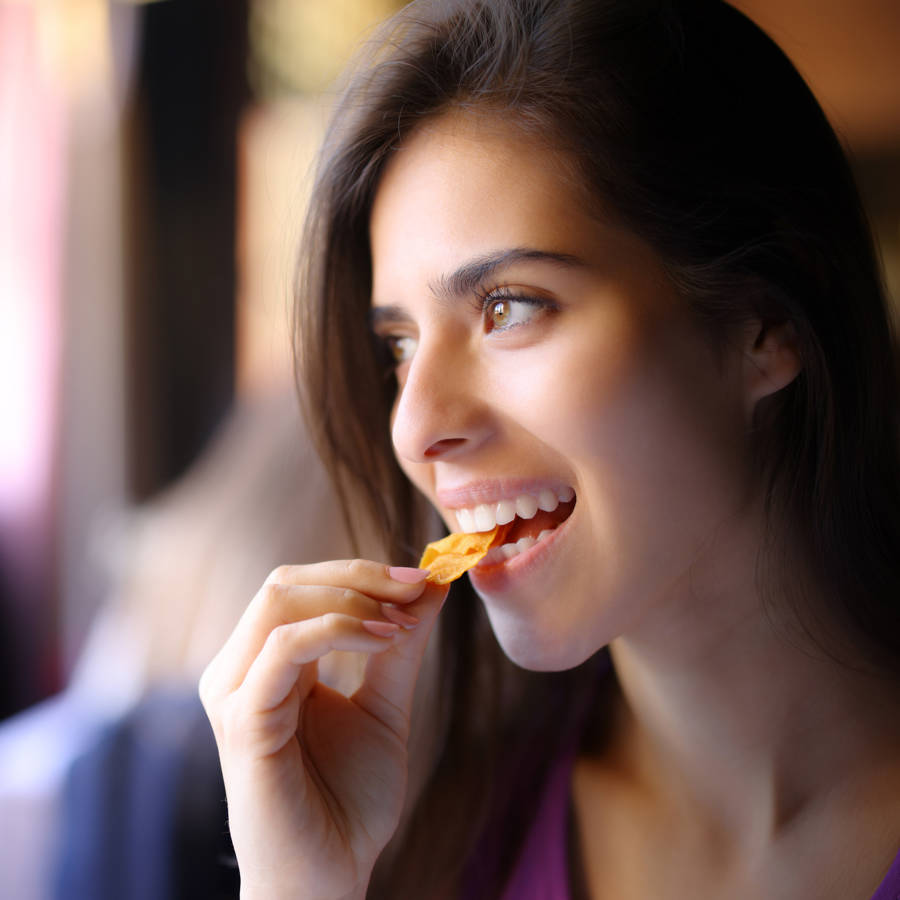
{"type": "Point", "coordinates": [730, 720]}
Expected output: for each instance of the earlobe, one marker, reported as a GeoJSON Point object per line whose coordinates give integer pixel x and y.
{"type": "Point", "coordinates": [771, 360]}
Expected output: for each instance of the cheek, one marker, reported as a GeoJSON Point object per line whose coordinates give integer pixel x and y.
{"type": "Point", "coordinates": [642, 400]}
{"type": "Point", "coordinates": [569, 388]}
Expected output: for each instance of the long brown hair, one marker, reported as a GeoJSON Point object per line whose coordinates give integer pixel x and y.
{"type": "Point", "coordinates": [693, 127]}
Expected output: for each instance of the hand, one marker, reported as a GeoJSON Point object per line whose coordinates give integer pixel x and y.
{"type": "Point", "coordinates": [315, 780]}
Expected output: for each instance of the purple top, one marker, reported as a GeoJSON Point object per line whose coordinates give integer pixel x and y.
{"type": "Point", "coordinates": [542, 871]}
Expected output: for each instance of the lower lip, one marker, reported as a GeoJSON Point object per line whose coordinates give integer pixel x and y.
{"type": "Point", "coordinates": [495, 577]}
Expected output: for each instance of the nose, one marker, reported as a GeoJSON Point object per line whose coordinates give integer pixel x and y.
{"type": "Point", "coordinates": [441, 412]}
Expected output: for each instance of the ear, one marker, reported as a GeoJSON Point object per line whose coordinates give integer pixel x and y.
{"type": "Point", "coordinates": [771, 360]}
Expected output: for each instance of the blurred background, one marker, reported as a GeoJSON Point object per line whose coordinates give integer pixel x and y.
{"type": "Point", "coordinates": [154, 162]}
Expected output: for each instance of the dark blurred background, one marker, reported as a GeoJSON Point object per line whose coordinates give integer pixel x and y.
{"type": "Point", "coordinates": [153, 163]}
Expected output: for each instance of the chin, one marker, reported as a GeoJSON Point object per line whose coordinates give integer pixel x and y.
{"type": "Point", "coordinates": [531, 645]}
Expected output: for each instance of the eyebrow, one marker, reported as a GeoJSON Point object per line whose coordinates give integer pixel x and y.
{"type": "Point", "coordinates": [470, 276]}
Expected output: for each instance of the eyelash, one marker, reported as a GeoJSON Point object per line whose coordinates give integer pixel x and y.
{"type": "Point", "coordinates": [488, 299]}
{"type": "Point", "coordinates": [390, 344]}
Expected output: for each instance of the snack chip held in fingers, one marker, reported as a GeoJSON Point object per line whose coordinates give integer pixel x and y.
{"type": "Point", "coordinates": [449, 557]}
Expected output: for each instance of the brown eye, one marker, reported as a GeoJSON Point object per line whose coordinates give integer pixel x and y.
{"type": "Point", "coordinates": [505, 313]}
{"type": "Point", "coordinates": [499, 313]}
{"type": "Point", "coordinates": [401, 348]}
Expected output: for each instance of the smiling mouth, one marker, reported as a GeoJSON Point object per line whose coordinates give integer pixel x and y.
{"type": "Point", "coordinates": [531, 518]}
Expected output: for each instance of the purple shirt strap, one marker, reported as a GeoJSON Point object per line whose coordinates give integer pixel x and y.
{"type": "Point", "coordinates": [889, 889]}
{"type": "Point", "coordinates": [542, 872]}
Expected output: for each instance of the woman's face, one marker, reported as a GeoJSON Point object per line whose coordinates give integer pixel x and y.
{"type": "Point", "coordinates": [547, 369]}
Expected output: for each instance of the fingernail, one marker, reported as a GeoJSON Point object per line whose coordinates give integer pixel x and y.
{"type": "Point", "coordinates": [407, 575]}
{"type": "Point", "coordinates": [398, 616]}
{"type": "Point", "coordinates": [382, 629]}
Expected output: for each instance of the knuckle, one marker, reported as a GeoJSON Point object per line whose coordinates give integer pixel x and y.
{"type": "Point", "coordinates": [247, 729]}
{"type": "Point", "coordinates": [203, 686]}
{"type": "Point", "coordinates": [281, 637]}
{"type": "Point", "coordinates": [206, 686]}
{"type": "Point", "coordinates": [279, 575]}
{"type": "Point", "coordinates": [356, 568]}
{"type": "Point", "coordinates": [211, 701]}
{"type": "Point", "coordinates": [271, 595]}
{"type": "Point", "coordinates": [333, 623]}
{"type": "Point", "coordinates": [234, 716]}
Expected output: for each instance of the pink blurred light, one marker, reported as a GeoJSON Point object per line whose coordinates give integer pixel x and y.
{"type": "Point", "coordinates": [32, 165]}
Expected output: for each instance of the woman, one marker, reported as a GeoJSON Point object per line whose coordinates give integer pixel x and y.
{"type": "Point", "coordinates": [620, 288]}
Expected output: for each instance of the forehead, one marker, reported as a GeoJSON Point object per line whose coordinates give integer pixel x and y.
{"type": "Point", "coordinates": [469, 183]}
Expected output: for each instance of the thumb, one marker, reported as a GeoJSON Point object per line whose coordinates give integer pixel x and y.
{"type": "Point", "coordinates": [390, 678]}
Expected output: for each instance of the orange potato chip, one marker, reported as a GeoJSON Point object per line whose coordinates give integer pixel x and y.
{"type": "Point", "coordinates": [449, 557]}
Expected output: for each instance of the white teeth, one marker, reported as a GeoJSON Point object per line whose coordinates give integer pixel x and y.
{"type": "Point", "coordinates": [526, 506]}
{"type": "Point", "coordinates": [506, 511]}
{"type": "Point", "coordinates": [486, 515]}
{"type": "Point", "coordinates": [508, 551]}
{"type": "Point", "coordinates": [484, 518]}
{"type": "Point", "coordinates": [466, 519]}
{"type": "Point", "coordinates": [547, 500]}
{"type": "Point", "coordinates": [492, 557]}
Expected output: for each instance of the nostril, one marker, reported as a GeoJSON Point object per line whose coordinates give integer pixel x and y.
{"type": "Point", "coordinates": [440, 448]}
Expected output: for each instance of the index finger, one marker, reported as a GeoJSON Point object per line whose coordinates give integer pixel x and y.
{"type": "Point", "coordinates": [388, 584]}
{"type": "Point", "coordinates": [294, 593]}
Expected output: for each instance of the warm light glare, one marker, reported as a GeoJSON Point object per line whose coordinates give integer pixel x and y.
{"type": "Point", "coordinates": [76, 52]}
{"type": "Point", "coordinates": [302, 46]}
